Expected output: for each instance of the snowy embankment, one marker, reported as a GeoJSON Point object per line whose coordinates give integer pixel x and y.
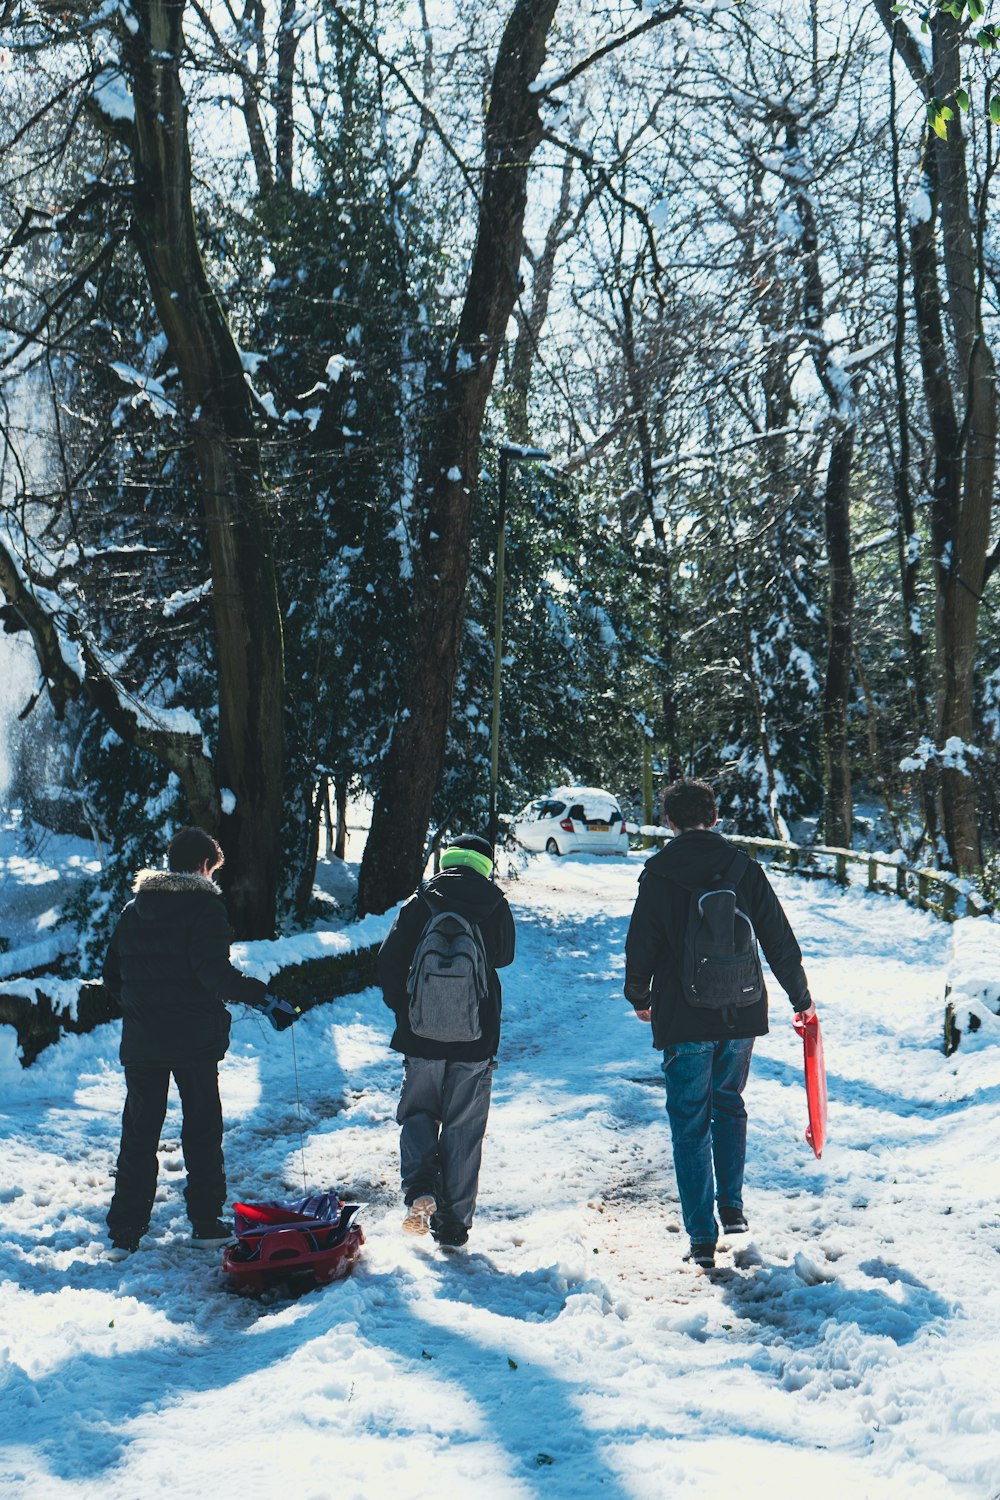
{"type": "Point", "coordinates": [846, 1351]}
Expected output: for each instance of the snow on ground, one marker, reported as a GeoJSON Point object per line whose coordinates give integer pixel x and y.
{"type": "Point", "coordinates": [846, 1351]}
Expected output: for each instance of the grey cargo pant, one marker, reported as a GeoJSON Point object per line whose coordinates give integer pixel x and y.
{"type": "Point", "coordinates": [442, 1115]}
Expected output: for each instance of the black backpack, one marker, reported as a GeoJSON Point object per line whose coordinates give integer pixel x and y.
{"type": "Point", "coordinates": [721, 970]}
{"type": "Point", "coordinates": [448, 980]}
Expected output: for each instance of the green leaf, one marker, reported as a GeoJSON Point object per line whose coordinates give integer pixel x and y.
{"type": "Point", "coordinates": [976, 10]}
{"type": "Point", "coordinates": [986, 40]}
{"type": "Point", "coordinates": [947, 113]}
{"type": "Point", "coordinates": [995, 109]}
{"type": "Point", "coordinates": [940, 127]}
{"type": "Point", "coordinates": [962, 100]}
{"type": "Point", "coordinates": [512, 1362]}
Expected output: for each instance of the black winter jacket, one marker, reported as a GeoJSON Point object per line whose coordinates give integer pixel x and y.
{"type": "Point", "coordinates": [477, 899]}
{"type": "Point", "coordinates": [168, 965]}
{"type": "Point", "coordinates": [654, 948]}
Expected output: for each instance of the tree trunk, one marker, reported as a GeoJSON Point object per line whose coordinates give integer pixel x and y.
{"type": "Point", "coordinates": [307, 875]}
{"type": "Point", "coordinates": [964, 450]}
{"type": "Point", "coordinates": [244, 591]}
{"type": "Point", "coordinates": [284, 95]}
{"type": "Point", "coordinates": [394, 856]}
{"type": "Point", "coordinates": [906, 518]}
{"type": "Point", "coordinates": [838, 819]}
{"type": "Point", "coordinates": [340, 847]}
{"type": "Point", "coordinates": [838, 816]}
{"type": "Point", "coordinates": [660, 630]}
{"type": "Point", "coordinates": [963, 567]}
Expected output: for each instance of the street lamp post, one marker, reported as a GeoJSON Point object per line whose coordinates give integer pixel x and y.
{"type": "Point", "coordinates": [508, 451]}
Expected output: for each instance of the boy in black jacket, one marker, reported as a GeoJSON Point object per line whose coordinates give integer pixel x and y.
{"type": "Point", "coordinates": [445, 1099]}
{"type": "Point", "coordinates": [706, 1052]}
{"type": "Point", "coordinates": [168, 967]}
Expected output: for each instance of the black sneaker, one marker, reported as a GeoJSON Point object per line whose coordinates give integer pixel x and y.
{"type": "Point", "coordinates": [733, 1220]}
{"type": "Point", "coordinates": [122, 1246]}
{"type": "Point", "coordinates": [450, 1236]}
{"type": "Point", "coordinates": [702, 1253]}
{"type": "Point", "coordinates": [210, 1235]}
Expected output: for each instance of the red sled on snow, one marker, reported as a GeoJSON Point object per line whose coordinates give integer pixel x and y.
{"type": "Point", "coordinates": [308, 1242]}
{"type": "Point", "coordinates": [812, 1046]}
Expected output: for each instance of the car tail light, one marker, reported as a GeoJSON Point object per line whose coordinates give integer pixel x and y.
{"type": "Point", "coordinates": [567, 825]}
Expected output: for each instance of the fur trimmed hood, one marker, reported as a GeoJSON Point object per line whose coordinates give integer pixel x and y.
{"type": "Point", "coordinates": [173, 881]}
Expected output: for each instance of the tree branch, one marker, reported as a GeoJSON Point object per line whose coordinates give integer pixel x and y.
{"type": "Point", "coordinates": [656, 19]}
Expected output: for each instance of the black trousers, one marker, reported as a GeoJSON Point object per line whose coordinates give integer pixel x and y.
{"type": "Point", "coordinates": [201, 1141]}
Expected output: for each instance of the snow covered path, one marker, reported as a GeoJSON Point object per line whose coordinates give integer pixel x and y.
{"type": "Point", "coordinates": [849, 1350]}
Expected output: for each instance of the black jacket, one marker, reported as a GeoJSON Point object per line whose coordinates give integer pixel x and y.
{"type": "Point", "coordinates": [477, 899]}
{"type": "Point", "coordinates": [168, 965]}
{"type": "Point", "coordinates": [654, 948]}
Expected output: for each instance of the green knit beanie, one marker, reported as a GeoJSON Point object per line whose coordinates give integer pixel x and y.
{"type": "Point", "coordinates": [470, 857]}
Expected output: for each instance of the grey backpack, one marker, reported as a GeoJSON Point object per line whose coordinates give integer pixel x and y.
{"type": "Point", "coordinates": [448, 980]}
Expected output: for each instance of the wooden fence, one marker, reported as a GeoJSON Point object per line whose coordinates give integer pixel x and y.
{"type": "Point", "coordinates": [947, 896]}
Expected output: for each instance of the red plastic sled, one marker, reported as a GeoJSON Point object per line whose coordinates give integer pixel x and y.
{"type": "Point", "coordinates": [310, 1242]}
{"type": "Point", "coordinates": [812, 1046]}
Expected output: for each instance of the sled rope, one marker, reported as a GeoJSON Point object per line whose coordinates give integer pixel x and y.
{"type": "Point", "coordinates": [298, 1112]}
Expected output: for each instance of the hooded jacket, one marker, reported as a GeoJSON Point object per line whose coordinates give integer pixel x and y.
{"type": "Point", "coordinates": [654, 949]}
{"type": "Point", "coordinates": [168, 966]}
{"type": "Point", "coordinates": [472, 896]}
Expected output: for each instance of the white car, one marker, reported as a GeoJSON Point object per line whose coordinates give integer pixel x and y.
{"type": "Point", "coordinates": [573, 819]}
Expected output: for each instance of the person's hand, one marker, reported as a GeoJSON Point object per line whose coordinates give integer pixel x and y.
{"type": "Point", "coordinates": [809, 1014]}
{"type": "Point", "coordinates": [280, 1013]}
{"type": "Point", "coordinates": [644, 1015]}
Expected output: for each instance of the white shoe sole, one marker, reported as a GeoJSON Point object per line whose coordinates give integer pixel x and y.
{"type": "Point", "coordinates": [418, 1220]}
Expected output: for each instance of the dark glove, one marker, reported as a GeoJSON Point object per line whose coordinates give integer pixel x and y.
{"type": "Point", "coordinates": [280, 1013]}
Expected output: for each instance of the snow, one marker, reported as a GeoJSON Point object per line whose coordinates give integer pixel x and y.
{"type": "Point", "coordinates": [844, 1351]}
{"type": "Point", "coordinates": [112, 96]}
{"type": "Point", "coordinates": [920, 207]}
{"type": "Point", "coordinates": [953, 755]}
{"type": "Point", "coordinates": [150, 390]}
{"type": "Point", "coordinates": [264, 959]}
{"type": "Point", "coordinates": [596, 803]}
{"type": "Point", "coordinates": [973, 978]}
{"type": "Point", "coordinates": [181, 598]}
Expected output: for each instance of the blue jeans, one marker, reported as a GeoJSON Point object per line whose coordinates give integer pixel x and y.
{"type": "Point", "coordinates": [705, 1083]}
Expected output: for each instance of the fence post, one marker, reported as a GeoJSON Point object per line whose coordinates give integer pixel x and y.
{"type": "Point", "coordinates": [923, 891]}
{"type": "Point", "coordinates": [872, 874]}
{"type": "Point", "coordinates": [948, 898]}
{"type": "Point", "coordinates": [901, 882]}
{"type": "Point", "coordinates": [841, 868]}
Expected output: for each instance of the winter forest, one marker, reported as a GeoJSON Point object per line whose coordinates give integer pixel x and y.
{"type": "Point", "coordinates": [410, 409]}
{"type": "Point", "coordinates": [284, 286]}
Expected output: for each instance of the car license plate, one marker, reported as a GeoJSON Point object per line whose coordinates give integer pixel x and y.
{"type": "Point", "coordinates": [599, 827]}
